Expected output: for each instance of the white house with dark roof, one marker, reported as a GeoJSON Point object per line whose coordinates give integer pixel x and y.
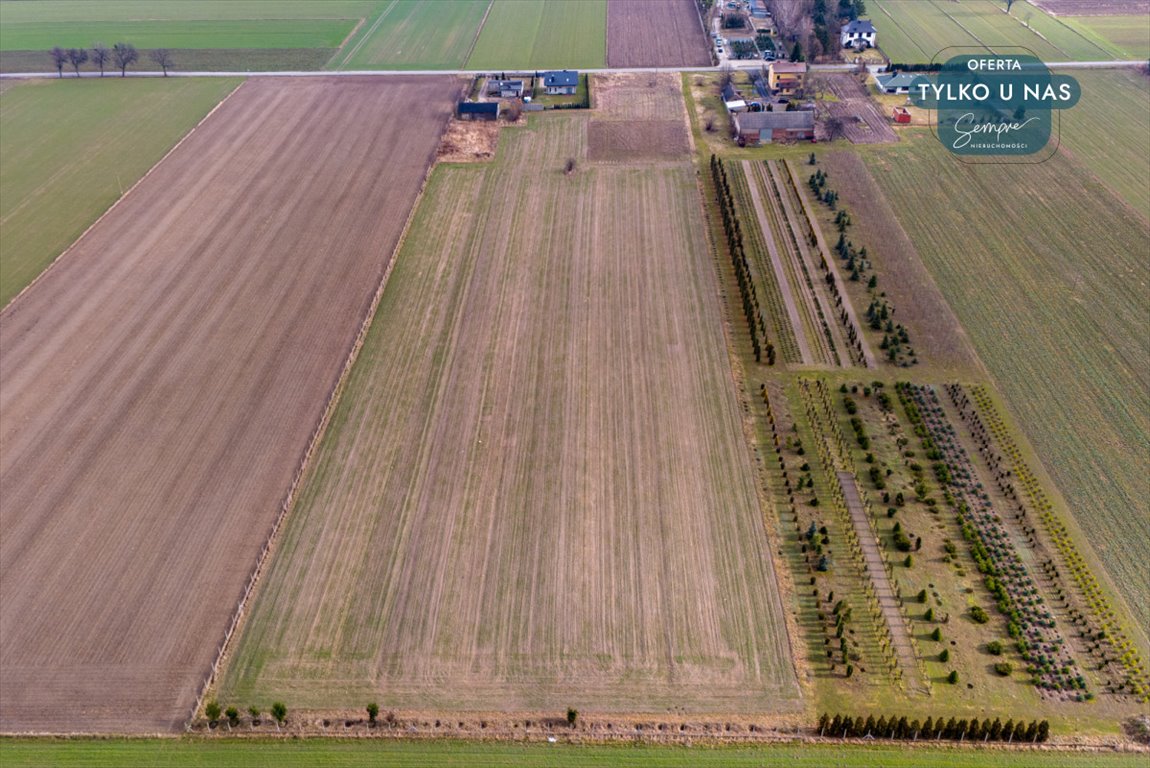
{"type": "Point", "coordinates": [859, 33]}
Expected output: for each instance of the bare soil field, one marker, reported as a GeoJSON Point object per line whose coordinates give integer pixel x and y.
{"type": "Point", "coordinates": [655, 33]}
{"type": "Point", "coordinates": [862, 121]}
{"type": "Point", "coordinates": [638, 96]}
{"type": "Point", "coordinates": [636, 140]}
{"type": "Point", "coordinates": [536, 492]}
{"type": "Point", "coordinates": [1094, 7]}
{"type": "Point", "coordinates": [160, 385]}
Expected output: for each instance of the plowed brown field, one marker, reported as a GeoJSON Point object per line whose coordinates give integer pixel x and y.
{"type": "Point", "coordinates": [655, 33]}
{"type": "Point", "coordinates": [159, 386]}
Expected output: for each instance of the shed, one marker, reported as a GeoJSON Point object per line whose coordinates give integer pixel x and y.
{"type": "Point", "coordinates": [478, 110]}
{"type": "Point", "coordinates": [769, 127]}
{"type": "Point", "coordinates": [563, 82]}
{"type": "Point", "coordinates": [901, 115]}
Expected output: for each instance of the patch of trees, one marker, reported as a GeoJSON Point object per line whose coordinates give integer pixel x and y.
{"type": "Point", "coordinates": [828, 17]}
{"type": "Point", "coordinates": [763, 348]}
{"type": "Point", "coordinates": [120, 55]}
{"type": "Point", "coordinates": [903, 729]}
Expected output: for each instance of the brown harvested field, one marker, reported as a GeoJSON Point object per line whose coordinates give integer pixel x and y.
{"type": "Point", "coordinates": [1094, 7]}
{"type": "Point", "coordinates": [636, 140]}
{"type": "Point", "coordinates": [159, 386]}
{"type": "Point", "coordinates": [537, 492]}
{"type": "Point", "coordinates": [638, 96]}
{"type": "Point", "coordinates": [655, 33]}
{"type": "Point", "coordinates": [938, 336]}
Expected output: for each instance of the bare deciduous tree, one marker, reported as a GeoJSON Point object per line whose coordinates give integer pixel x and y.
{"type": "Point", "coordinates": [59, 58]}
{"type": "Point", "coordinates": [76, 57]}
{"type": "Point", "coordinates": [100, 56]}
{"type": "Point", "coordinates": [834, 126]}
{"type": "Point", "coordinates": [163, 59]}
{"type": "Point", "coordinates": [125, 55]}
{"type": "Point", "coordinates": [788, 15]}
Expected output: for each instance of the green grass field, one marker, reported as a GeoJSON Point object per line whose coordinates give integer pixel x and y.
{"type": "Point", "coordinates": [543, 34]}
{"type": "Point", "coordinates": [1047, 273]}
{"type": "Point", "coordinates": [1107, 132]}
{"type": "Point", "coordinates": [1129, 35]}
{"type": "Point", "coordinates": [330, 753]}
{"type": "Point", "coordinates": [415, 34]}
{"type": "Point", "coordinates": [912, 31]}
{"type": "Point", "coordinates": [247, 34]}
{"type": "Point", "coordinates": [263, 33]}
{"type": "Point", "coordinates": [68, 148]}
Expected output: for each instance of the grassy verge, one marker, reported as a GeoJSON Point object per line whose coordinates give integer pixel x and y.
{"type": "Point", "coordinates": [204, 753]}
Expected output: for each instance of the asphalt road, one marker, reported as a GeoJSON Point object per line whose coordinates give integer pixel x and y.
{"type": "Point", "coordinates": [750, 64]}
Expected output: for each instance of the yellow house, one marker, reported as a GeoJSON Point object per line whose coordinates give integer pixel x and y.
{"type": "Point", "coordinates": [785, 77]}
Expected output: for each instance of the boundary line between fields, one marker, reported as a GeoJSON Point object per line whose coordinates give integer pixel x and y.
{"type": "Point", "coordinates": [478, 32]}
{"type": "Point", "coordinates": [318, 433]}
{"type": "Point", "coordinates": [118, 200]}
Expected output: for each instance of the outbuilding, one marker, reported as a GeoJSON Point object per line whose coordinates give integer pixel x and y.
{"type": "Point", "coordinates": [478, 110]}
{"type": "Point", "coordinates": [753, 128]}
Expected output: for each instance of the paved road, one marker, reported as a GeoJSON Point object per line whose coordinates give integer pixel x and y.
{"type": "Point", "coordinates": [753, 64]}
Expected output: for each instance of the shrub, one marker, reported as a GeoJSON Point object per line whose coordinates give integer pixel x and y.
{"type": "Point", "coordinates": [1003, 668]}
{"type": "Point", "coordinates": [936, 635]}
{"type": "Point", "coordinates": [372, 712]}
{"type": "Point", "coordinates": [944, 656]}
{"type": "Point", "coordinates": [212, 711]}
{"type": "Point", "coordinates": [952, 678]}
{"type": "Point", "coordinates": [279, 712]}
{"type": "Point", "coordinates": [572, 716]}
{"type": "Point", "coordinates": [979, 614]}
{"type": "Point", "coordinates": [994, 647]}
{"type": "Point", "coordinates": [233, 715]}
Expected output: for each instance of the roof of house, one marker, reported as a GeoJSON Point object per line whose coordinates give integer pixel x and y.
{"type": "Point", "coordinates": [895, 80]}
{"type": "Point", "coordinates": [503, 84]}
{"type": "Point", "coordinates": [564, 77]}
{"type": "Point", "coordinates": [787, 68]}
{"type": "Point", "coordinates": [479, 107]}
{"type": "Point", "coordinates": [860, 27]}
{"type": "Point", "coordinates": [792, 121]}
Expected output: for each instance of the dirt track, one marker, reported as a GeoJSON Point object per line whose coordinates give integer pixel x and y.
{"type": "Point", "coordinates": [655, 33]}
{"type": "Point", "coordinates": [159, 386]}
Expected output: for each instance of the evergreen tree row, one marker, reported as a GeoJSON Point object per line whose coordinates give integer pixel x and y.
{"type": "Point", "coordinates": [845, 727]}
{"type": "Point", "coordinates": [758, 328]}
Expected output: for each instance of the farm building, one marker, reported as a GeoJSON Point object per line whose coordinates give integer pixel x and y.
{"type": "Point", "coordinates": [561, 83]}
{"type": "Point", "coordinates": [478, 110]}
{"type": "Point", "coordinates": [505, 89]}
{"type": "Point", "coordinates": [896, 82]}
{"type": "Point", "coordinates": [768, 127]}
{"type": "Point", "coordinates": [860, 33]}
{"type": "Point", "coordinates": [785, 78]}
